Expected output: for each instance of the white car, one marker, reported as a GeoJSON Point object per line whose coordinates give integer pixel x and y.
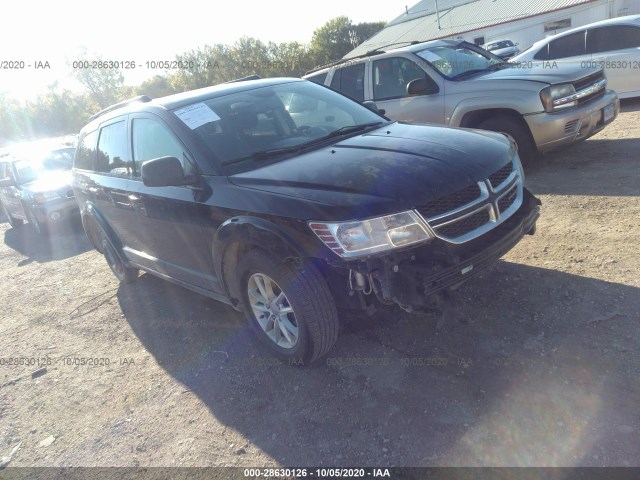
{"type": "Point", "coordinates": [614, 44]}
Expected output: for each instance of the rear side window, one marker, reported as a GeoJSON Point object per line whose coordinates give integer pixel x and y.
{"type": "Point", "coordinates": [319, 78]}
{"type": "Point", "coordinates": [607, 39]}
{"type": "Point", "coordinates": [351, 81]}
{"type": "Point", "coordinates": [152, 139]}
{"type": "Point", "coordinates": [113, 156]}
{"type": "Point", "coordinates": [569, 46]}
{"type": "Point", "coordinates": [86, 153]}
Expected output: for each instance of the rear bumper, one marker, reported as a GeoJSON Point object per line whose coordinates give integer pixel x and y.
{"type": "Point", "coordinates": [554, 130]}
{"type": "Point", "coordinates": [412, 277]}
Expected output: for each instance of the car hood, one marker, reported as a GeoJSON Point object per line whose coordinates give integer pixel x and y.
{"type": "Point", "coordinates": [392, 168]}
{"type": "Point", "coordinates": [543, 72]}
{"type": "Point", "coordinates": [50, 182]}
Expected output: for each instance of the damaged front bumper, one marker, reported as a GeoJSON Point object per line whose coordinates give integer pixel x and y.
{"type": "Point", "coordinates": [414, 278]}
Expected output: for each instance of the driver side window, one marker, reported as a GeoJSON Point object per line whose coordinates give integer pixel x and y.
{"type": "Point", "coordinates": [151, 139]}
{"type": "Point", "coordinates": [392, 75]}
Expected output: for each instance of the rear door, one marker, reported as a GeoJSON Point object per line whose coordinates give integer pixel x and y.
{"type": "Point", "coordinates": [617, 49]}
{"type": "Point", "coordinates": [110, 183]}
{"type": "Point", "coordinates": [570, 49]}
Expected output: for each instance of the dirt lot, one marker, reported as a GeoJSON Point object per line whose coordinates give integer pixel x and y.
{"type": "Point", "coordinates": [536, 362]}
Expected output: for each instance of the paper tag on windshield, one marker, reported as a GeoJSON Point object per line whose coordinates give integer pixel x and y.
{"type": "Point", "coordinates": [429, 56]}
{"type": "Point", "coordinates": [195, 115]}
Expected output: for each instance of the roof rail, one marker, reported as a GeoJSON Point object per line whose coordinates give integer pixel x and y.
{"type": "Point", "coordinates": [245, 79]}
{"type": "Point", "coordinates": [370, 53]}
{"type": "Point", "coordinates": [139, 98]}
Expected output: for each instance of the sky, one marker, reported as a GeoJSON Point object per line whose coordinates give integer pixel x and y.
{"type": "Point", "coordinates": [51, 34]}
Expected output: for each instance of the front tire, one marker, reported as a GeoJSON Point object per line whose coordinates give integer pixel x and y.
{"type": "Point", "coordinates": [39, 227]}
{"type": "Point", "coordinates": [13, 222]}
{"type": "Point", "coordinates": [123, 273]}
{"type": "Point", "coordinates": [512, 126]}
{"type": "Point", "coordinates": [289, 307]}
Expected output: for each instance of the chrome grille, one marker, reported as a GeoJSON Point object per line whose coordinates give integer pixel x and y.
{"type": "Point", "coordinates": [507, 200]}
{"type": "Point", "coordinates": [474, 210]}
{"type": "Point", "coordinates": [450, 202]}
{"type": "Point", "coordinates": [587, 82]}
{"type": "Point", "coordinates": [501, 175]}
{"type": "Point", "coordinates": [465, 225]}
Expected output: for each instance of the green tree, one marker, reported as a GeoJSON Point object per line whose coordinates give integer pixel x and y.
{"type": "Point", "coordinates": [158, 86]}
{"type": "Point", "coordinates": [338, 37]}
{"type": "Point", "coordinates": [103, 84]}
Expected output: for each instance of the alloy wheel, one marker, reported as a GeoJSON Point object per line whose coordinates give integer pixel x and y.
{"type": "Point", "coordinates": [272, 310]}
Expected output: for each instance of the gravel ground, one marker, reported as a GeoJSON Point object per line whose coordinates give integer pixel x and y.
{"type": "Point", "coordinates": [536, 363]}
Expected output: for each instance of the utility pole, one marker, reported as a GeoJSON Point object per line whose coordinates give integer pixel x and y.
{"type": "Point", "coordinates": [438, 15]}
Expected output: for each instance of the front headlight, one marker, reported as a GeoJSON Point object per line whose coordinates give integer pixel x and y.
{"type": "Point", "coordinates": [557, 97]}
{"type": "Point", "coordinates": [361, 238]}
{"type": "Point", "coordinates": [44, 197]}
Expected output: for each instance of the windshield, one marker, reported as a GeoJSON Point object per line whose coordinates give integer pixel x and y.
{"type": "Point", "coordinates": [276, 119]}
{"type": "Point", "coordinates": [454, 61]}
{"type": "Point", "coordinates": [46, 163]}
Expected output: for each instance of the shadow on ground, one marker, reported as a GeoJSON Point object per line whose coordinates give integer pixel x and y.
{"type": "Point", "coordinates": [67, 240]}
{"type": "Point", "coordinates": [584, 165]}
{"type": "Point", "coordinates": [531, 367]}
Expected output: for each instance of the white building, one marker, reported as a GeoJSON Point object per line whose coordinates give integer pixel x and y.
{"type": "Point", "coordinates": [481, 21]}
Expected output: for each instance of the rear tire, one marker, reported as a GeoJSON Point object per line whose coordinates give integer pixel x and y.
{"type": "Point", "coordinates": [527, 150]}
{"type": "Point", "coordinates": [289, 307]}
{"type": "Point", "coordinates": [123, 273]}
{"type": "Point", "coordinates": [13, 222]}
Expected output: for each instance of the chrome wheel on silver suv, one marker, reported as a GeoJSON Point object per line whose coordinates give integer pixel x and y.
{"type": "Point", "coordinates": [272, 310]}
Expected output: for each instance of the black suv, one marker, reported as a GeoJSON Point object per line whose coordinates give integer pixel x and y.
{"type": "Point", "coordinates": [287, 200]}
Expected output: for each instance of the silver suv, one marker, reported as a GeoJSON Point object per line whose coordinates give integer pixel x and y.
{"type": "Point", "coordinates": [542, 106]}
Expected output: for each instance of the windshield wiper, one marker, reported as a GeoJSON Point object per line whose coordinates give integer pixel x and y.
{"type": "Point", "coordinates": [469, 72]}
{"type": "Point", "coordinates": [490, 68]}
{"type": "Point", "coordinates": [262, 154]}
{"type": "Point", "coordinates": [274, 152]}
{"type": "Point", "coordinates": [347, 129]}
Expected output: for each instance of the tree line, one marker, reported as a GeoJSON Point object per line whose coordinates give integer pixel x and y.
{"type": "Point", "coordinates": [59, 111]}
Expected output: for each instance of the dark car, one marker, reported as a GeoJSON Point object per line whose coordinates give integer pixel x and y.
{"type": "Point", "coordinates": [35, 185]}
{"type": "Point", "coordinates": [287, 200]}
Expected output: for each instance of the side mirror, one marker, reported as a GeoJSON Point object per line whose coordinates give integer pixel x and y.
{"type": "Point", "coordinates": [421, 86]}
{"type": "Point", "coordinates": [373, 107]}
{"type": "Point", "coordinates": [165, 172]}
{"type": "Point", "coordinates": [7, 182]}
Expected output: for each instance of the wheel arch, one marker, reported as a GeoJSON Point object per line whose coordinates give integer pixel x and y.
{"type": "Point", "coordinates": [90, 216]}
{"type": "Point", "coordinates": [239, 234]}
{"type": "Point", "coordinates": [474, 118]}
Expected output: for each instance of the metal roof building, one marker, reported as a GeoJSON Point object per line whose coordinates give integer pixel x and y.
{"type": "Point", "coordinates": [480, 21]}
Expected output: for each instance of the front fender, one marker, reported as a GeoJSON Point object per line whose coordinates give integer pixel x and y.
{"type": "Point", "coordinates": [236, 233]}
{"type": "Point", "coordinates": [503, 104]}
